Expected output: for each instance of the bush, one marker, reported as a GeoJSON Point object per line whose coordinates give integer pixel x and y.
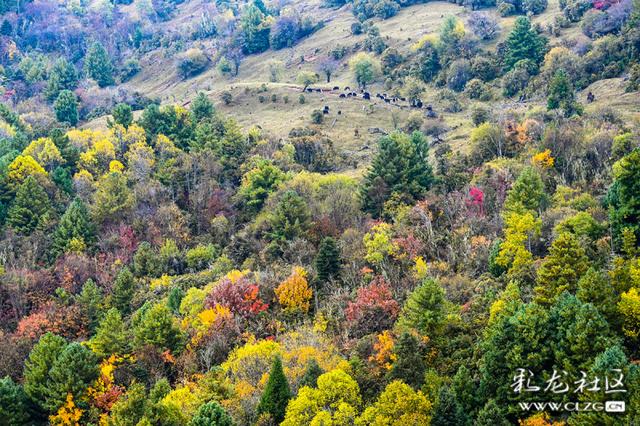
{"type": "Point", "coordinates": [515, 80]}
{"type": "Point", "coordinates": [193, 62]}
{"type": "Point", "coordinates": [476, 89]}
{"type": "Point", "coordinates": [480, 115]}
{"type": "Point", "coordinates": [317, 117]}
{"type": "Point", "coordinates": [506, 9]}
{"type": "Point", "coordinates": [458, 74]}
{"type": "Point", "coordinates": [226, 97]}
{"type": "Point", "coordinates": [483, 26]}
{"type": "Point", "coordinates": [130, 68]}
{"type": "Point", "coordinates": [484, 68]}
{"type": "Point", "coordinates": [301, 99]}
{"type": "Point", "coordinates": [356, 28]}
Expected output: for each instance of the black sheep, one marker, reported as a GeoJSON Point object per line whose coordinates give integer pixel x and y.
{"type": "Point", "coordinates": [342, 95]}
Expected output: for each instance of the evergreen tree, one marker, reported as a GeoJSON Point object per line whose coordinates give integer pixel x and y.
{"type": "Point", "coordinates": [255, 30]}
{"type": "Point", "coordinates": [424, 309]}
{"type": "Point", "coordinates": [123, 289]}
{"type": "Point", "coordinates": [122, 115]}
{"type": "Point", "coordinates": [409, 366]}
{"type": "Point", "coordinates": [111, 336]}
{"type": "Point", "coordinates": [561, 94]}
{"type": "Point", "coordinates": [14, 405]}
{"type": "Point", "coordinates": [30, 207]}
{"type": "Point", "coordinates": [291, 218]}
{"type": "Point", "coordinates": [6, 28]}
{"type": "Point", "coordinates": [276, 393]}
{"type": "Point", "coordinates": [202, 107]}
{"type": "Point", "coordinates": [491, 415]}
{"type": "Point", "coordinates": [399, 168]}
{"type": "Point", "coordinates": [72, 372]}
{"type": "Point", "coordinates": [211, 414]}
{"type": "Point", "coordinates": [327, 260]}
{"type": "Point", "coordinates": [145, 261]}
{"type": "Point", "coordinates": [37, 366]}
{"type": "Point", "coordinates": [595, 287]}
{"type": "Point", "coordinates": [61, 177]}
{"type": "Point", "coordinates": [561, 269]}
{"type": "Point", "coordinates": [63, 76]}
{"type": "Point", "coordinates": [98, 65]}
{"type": "Point", "coordinates": [156, 326]}
{"type": "Point", "coordinates": [527, 193]}
{"type": "Point", "coordinates": [175, 297]}
{"type": "Point", "coordinates": [311, 374]}
{"type": "Point", "coordinates": [465, 389]}
{"type": "Point", "coordinates": [523, 43]}
{"type": "Point", "coordinates": [66, 107]}
{"type": "Point", "coordinates": [447, 411]}
{"type": "Point", "coordinates": [90, 301]}
{"type": "Point", "coordinates": [75, 225]}
{"type": "Point", "coordinates": [624, 197]}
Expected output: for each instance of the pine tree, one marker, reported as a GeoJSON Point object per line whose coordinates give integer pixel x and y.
{"type": "Point", "coordinates": [491, 415]}
{"type": "Point", "coordinates": [14, 405]}
{"type": "Point", "coordinates": [595, 287]}
{"type": "Point", "coordinates": [36, 368]}
{"type": "Point", "coordinates": [624, 197]}
{"type": "Point", "coordinates": [66, 107]}
{"type": "Point", "coordinates": [202, 107]}
{"type": "Point", "coordinates": [75, 224]}
{"type": "Point", "coordinates": [90, 301]}
{"type": "Point", "coordinates": [400, 167]}
{"type": "Point", "coordinates": [561, 94]}
{"type": "Point", "coordinates": [448, 411]}
{"type": "Point", "coordinates": [30, 207]}
{"type": "Point", "coordinates": [156, 326]}
{"type": "Point", "coordinates": [63, 76]}
{"type": "Point", "coordinates": [111, 336]}
{"type": "Point", "coordinates": [327, 261]}
{"type": "Point", "coordinates": [291, 218]}
{"type": "Point", "coordinates": [123, 289]}
{"type": "Point", "coordinates": [98, 65]}
{"type": "Point", "coordinates": [523, 43]}
{"type": "Point", "coordinates": [211, 414]}
{"type": "Point", "coordinates": [122, 115]}
{"type": "Point", "coordinates": [276, 393]}
{"type": "Point", "coordinates": [73, 371]}
{"type": "Point", "coordinates": [424, 309]}
{"type": "Point", "coordinates": [311, 374]}
{"type": "Point", "coordinates": [409, 366]}
{"type": "Point", "coordinates": [527, 193]}
{"type": "Point", "coordinates": [560, 271]}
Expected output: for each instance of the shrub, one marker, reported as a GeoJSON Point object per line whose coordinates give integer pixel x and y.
{"type": "Point", "coordinates": [483, 26]}
{"type": "Point", "coordinates": [317, 117]}
{"type": "Point", "coordinates": [193, 62]}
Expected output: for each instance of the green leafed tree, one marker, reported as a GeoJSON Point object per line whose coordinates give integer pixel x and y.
{"type": "Point", "coordinates": [327, 260]}
{"type": "Point", "coordinates": [14, 404]}
{"type": "Point", "coordinates": [75, 225]}
{"type": "Point", "coordinates": [98, 66]}
{"type": "Point", "coordinates": [276, 393]}
{"type": "Point", "coordinates": [123, 289]}
{"type": "Point", "coordinates": [66, 107]}
{"type": "Point", "coordinates": [122, 115]}
{"type": "Point", "coordinates": [111, 336]}
{"type": "Point", "coordinates": [30, 208]}
{"type": "Point", "coordinates": [561, 94]}
{"type": "Point", "coordinates": [424, 310]}
{"type": "Point", "coordinates": [523, 43]}
{"type": "Point", "coordinates": [400, 169]}
{"type": "Point", "coordinates": [63, 76]}
{"type": "Point", "coordinates": [211, 414]}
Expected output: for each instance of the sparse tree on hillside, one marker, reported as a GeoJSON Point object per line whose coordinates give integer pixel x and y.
{"type": "Point", "coordinates": [97, 65]}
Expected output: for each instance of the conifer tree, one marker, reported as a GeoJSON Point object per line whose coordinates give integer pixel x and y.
{"type": "Point", "coordinates": [73, 371]}
{"type": "Point", "coordinates": [311, 374]}
{"type": "Point", "coordinates": [111, 336]}
{"type": "Point", "coordinates": [561, 269]}
{"type": "Point", "coordinates": [399, 168]}
{"type": "Point", "coordinates": [491, 415]}
{"type": "Point", "coordinates": [595, 287]}
{"type": "Point", "coordinates": [276, 394]}
{"type": "Point", "coordinates": [448, 411]}
{"type": "Point", "coordinates": [14, 405]}
{"type": "Point", "coordinates": [30, 207]}
{"type": "Point", "coordinates": [211, 414]}
{"type": "Point", "coordinates": [202, 107]}
{"type": "Point", "coordinates": [123, 289]}
{"type": "Point", "coordinates": [122, 115]}
{"type": "Point", "coordinates": [527, 192]}
{"type": "Point", "coordinates": [327, 261]}
{"type": "Point", "coordinates": [75, 224]}
{"type": "Point", "coordinates": [156, 326]}
{"type": "Point", "coordinates": [561, 94]}
{"type": "Point", "coordinates": [523, 43]}
{"type": "Point", "coordinates": [409, 365]}
{"type": "Point", "coordinates": [624, 197]}
{"type": "Point", "coordinates": [291, 217]}
{"type": "Point", "coordinates": [424, 309]}
{"type": "Point", "coordinates": [66, 107]}
{"type": "Point", "coordinates": [90, 301]}
{"type": "Point", "coordinates": [63, 76]}
{"type": "Point", "coordinates": [98, 65]}
{"type": "Point", "coordinates": [36, 372]}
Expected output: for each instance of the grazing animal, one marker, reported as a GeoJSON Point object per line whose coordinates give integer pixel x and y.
{"type": "Point", "coordinates": [419, 104]}
{"type": "Point", "coordinates": [339, 112]}
{"type": "Point", "coordinates": [387, 100]}
{"type": "Point", "coordinates": [319, 90]}
{"type": "Point", "coordinates": [366, 95]}
{"type": "Point", "coordinates": [325, 111]}
{"type": "Point", "coordinates": [348, 89]}
{"type": "Point", "coordinates": [309, 90]}
{"type": "Point", "coordinates": [342, 95]}
{"type": "Point", "coordinates": [403, 99]}
{"type": "Point", "coordinates": [590, 97]}
{"type": "Point", "coordinates": [336, 88]}
{"type": "Point", "coordinates": [326, 107]}
{"type": "Point", "coordinates": [349, 95]}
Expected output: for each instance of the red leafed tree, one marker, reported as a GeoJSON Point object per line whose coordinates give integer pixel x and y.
{"type": "Point", "coordinates": [66, 321]}
{"type": "Point", "coordinates": [475, 202]}
{"type": "Point", "coordinates": [241, 297]}
{"type": "Point", "coordinates": [374, 309]}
